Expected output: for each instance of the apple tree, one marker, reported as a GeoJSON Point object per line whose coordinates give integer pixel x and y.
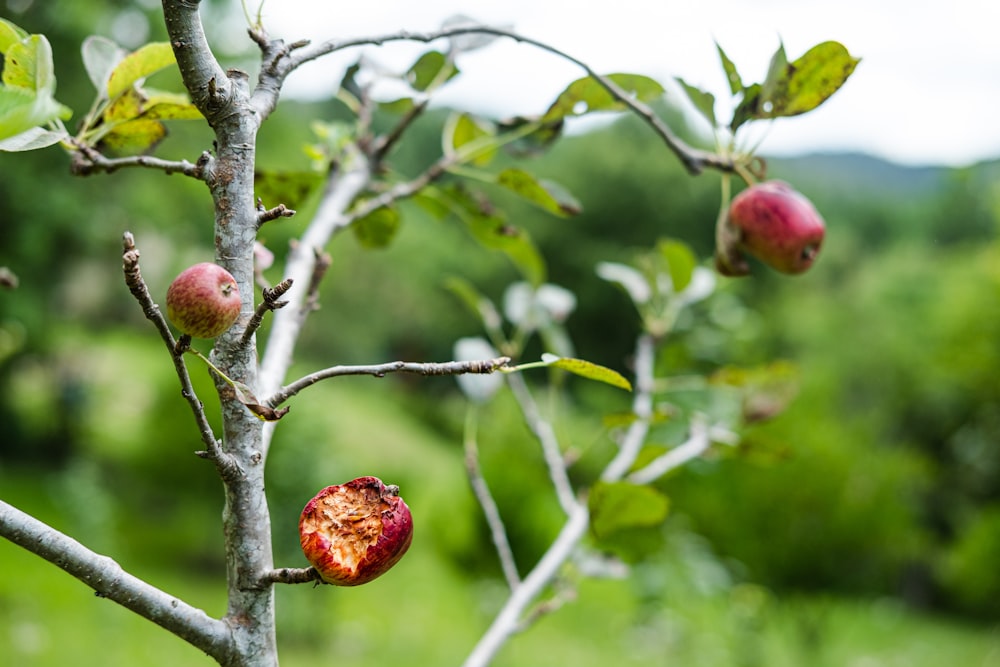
{"type": "Point", "coordinates": [354, 531]}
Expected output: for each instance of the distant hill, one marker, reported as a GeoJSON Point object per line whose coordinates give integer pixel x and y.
{"type": "Point", "coordinates": [858, 175]}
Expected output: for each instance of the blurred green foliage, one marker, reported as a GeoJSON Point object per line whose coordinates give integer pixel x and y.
{"type": "Point", "coordinates": [882, 480]}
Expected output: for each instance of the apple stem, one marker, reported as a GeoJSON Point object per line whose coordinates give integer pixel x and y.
{"type": "Point", "coordinates": [201, 356]}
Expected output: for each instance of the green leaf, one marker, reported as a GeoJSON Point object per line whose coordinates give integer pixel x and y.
{"type": "Point", "coordinates": [28, 64]}
{"type": "Point", "coordinates": [432, 69]}
{"type": "Point", "coordinates": [401, 106]}
{"type": "Point", "coordinates": [291, 188]}
{"type": "Point", "coordinates": [164, 105]}
{"type": "Point", "coordinates": [811, 80]}
{"type": "Point", "coordinates": [134, 137]}
{"type": "Point", "coordinates": [100, 57]}
{"type": "Point", "coordinates": [729, 67]}
{"type": "Point", "coordinates": [703, 101]}
{"type": "Point", "coordinates": [589, 370]}
{"type": "Point", "coordinates": [618, 506]}
{"type": "Point", "coordinates": [378, 228]}
{"type": "Point", "coordinates": [587, 94]}
{"type": "Point", "coordinates": [545, 194]}
{"type": "Point", "coordinates": [140, 63]}
{"type": "Point", "coordinates": [540, 139]}
{"type": "Point", "coordinates": [21, 110]}
{"type": "Point", "coordinates": [794, 88]}
{"type": "Point", "coordinates": [777, 70]}
{"type": "Point", "coordinates": [493, 232]}
{"type": "Point", "coordinates": [462, 129]}
{"type": "Point", "coordinates": [681, 262]}
{"type": "Point", "coordinates": [747, 108]}
{"type": "Point", "coordinates": [32, 139]}
{"type": "Point", "coordinates": [10, 34]}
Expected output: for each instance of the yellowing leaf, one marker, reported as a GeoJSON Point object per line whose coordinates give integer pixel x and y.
{"type": "Point", "coordinates": [140, 63]}
{"type": "Point", "coordinates": [589, 370]}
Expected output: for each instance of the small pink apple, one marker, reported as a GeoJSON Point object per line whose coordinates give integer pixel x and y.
{"type": "Point", "coordinates": [777, 225]}
{"type": "Point", "coordinates": [203, 301]}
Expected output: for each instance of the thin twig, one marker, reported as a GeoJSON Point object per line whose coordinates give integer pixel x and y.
{"type": "Point", "coordinates": [110, 581]}
{"type": "Point", "coordinates": [490, 510]}
{"type": "Point", "coordinates": [694, 160]}
{"type": "Point", "coordinates": [320, 266]}
{"type": "Point", "coordinates": [265, 215]}
{"type": "Point", "coordinates": [385, 142]}
{"type": "Point", "coordinates": [137, 286]}
{"type": "Point", "coordinates": [696, 444]}
{"type": "Point", "coordinates": [546, 435]}
{"type": "Point", "coordinates": [511, 617]}
{"type": "Point", "coordinates": [86, 160]}
{"type": "Point", "coordinates": [381, 370]}
{"type": "Point", "coordinates": [290, 575]}
{"type": "Point", "coordinates": [270, 301]}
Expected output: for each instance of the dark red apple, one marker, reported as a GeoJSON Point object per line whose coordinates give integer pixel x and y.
{"type": "Point", "coordinates": [777, 225]}
{"type": "Point", "coordinates": [354, 532]}
{"type": "Point", "coordinates": [203, 301]}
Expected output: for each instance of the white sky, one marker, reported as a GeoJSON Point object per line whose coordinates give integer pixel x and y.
{"type": "Point", "coordinates": [926, 92]}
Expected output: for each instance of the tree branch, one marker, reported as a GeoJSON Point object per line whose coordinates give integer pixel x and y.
{"type": "Point", "coordinates": [137, 286]}
{"type": "Point", "coordinates": [86, 161]}
{"type": "Point", "coordinates": [290, 575]}
{"type": "Point", "coordinates": [270, 302]}
{"type": "Point", "coordinates": [109, 580]}
{"type": "Point", "coordinates": [381, 370]}
{"type": "Point", "coordinates": [546, 436]}
{"type": "Point", "coordinates": [490, 510]}
{"type": "Point", "coordinates": [510, 619]}
{"type": "Point", "coordinates": [693, 159]}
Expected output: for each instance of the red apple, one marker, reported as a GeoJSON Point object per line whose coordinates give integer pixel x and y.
{"type": "Point", "coordinates": [777, 225]}
{"type": "Point", "coordinates": [203, 301]}
{"type": "Point", "coordinates": [354, 532]}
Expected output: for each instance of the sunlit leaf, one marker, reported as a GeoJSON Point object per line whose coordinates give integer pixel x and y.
{"type": "Point", "coordinates": [797, 87]}
{"type": "Point", "coordinates": [401, 106]}
{"type": "Point", "coordinates": [589, 370]}
{"type": "Point", "coordinates": [21, 110]}
{"type": "Point", "coordinates": [588, 94]}
{"type": "Point", "coordinates": [432, 69]}
{"type": "Point", "coordinates": [134, 137]}
{"type": "Point", "coordinates": [125, 107]}
{"type": "Point", "coordinates": [140, 63]}
{"type": "Point", "coordinates": [10, 34]}
{"type": "Point", "coordinates": [28, 64]}
{"type": "Point", "coordinates": [32, 139]}
{"type": "Point", "coordinates": [617, 506]}
{"type": "Point", "coordinates": [703, 101]}
{"type": "Point", "coordinates": [462, 129]}
{"type": "Point", "coordinates": [811, 80]}
{"type": "Point", "coordinates": [378, 228]}
{"type": "Point", "coordinates": [729, 67]}
{"type": "Point", "coordinates": [100, 57]}
{"type": "Point", "coordinates": [681, 262]}
{"type": "Point", "coordinates": [545, 194]}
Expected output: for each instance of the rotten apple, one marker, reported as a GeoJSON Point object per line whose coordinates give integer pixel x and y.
{"type": "Point", "coordinates": [777, 225]}
{"type": "Point", "coordinates": [354, 532]}
{"type": "Point", "coordinates": [203, 301]}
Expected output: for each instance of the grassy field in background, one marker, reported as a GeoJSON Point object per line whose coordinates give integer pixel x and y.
{"type": "Point", "coordinates": [424, 614]}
